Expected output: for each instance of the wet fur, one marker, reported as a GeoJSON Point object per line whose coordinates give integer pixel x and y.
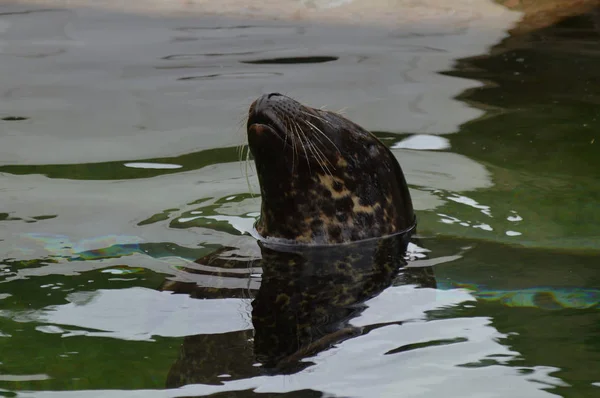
{"type": "Point", "coordinates": [323, 178]}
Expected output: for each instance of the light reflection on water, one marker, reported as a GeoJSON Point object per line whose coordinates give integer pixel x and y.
{"type": "Point", "coordinates": [102, 212]}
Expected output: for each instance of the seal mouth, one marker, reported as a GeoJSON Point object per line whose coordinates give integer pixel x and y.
{"type": "Point", "coordinates": [259, 129]}
{"type": "Point", "coordinates": [272, 113]}
{"type": "Point", "coordinates": [260, 122]}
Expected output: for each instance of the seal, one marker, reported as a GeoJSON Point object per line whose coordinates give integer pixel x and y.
{"type": "Point", "coordinates": [336, 218]}
{"type": "Point", "coordinates": [323, 178]}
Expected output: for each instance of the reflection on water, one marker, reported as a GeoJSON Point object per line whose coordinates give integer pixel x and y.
{"type": "Point", "coordinates": [304, 305]}
{"type": "Point", "coordinates": [127, 261]}
{"type": "Point", "coordinates": [540, 138]}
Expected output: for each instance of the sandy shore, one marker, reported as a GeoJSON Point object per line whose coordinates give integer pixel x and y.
{"type": "Point", "coordinates": [381, 12]}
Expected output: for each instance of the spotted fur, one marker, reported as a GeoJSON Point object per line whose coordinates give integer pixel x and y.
{"type": "Point", "coordinates": [323, 178]}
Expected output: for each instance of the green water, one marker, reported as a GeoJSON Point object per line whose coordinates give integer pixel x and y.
{"type": "Point", "coordinates": [508, 212]}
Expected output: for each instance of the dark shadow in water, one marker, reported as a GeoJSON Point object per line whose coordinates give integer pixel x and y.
{"type": "Point", "coordinates": [432, 343]}
{"type": "Point", "coordinates": [201, 28]}
{"type": "Point", "coordinates": [252, 393]}
{"type": "Point", "coordinates": [244, 30]}
{"type": "Point", "coordinates": [232, 75]}
{"type": "Point", "coordinates": [540, 138]}
{"type": "Point", "coordinates": [292, 60]}
{"type": "Point", "coordinates": [546, 303]}
{"type": "Point", "coordinates": [304, 305]}
{"type": "Point", "coordinates": [7, 217]}
{"type": "Point", "coordinates": [117, 170]}
{"type": "Point", "coordinates": [195, 56]}
{"type": "Point", "coordinates": [25, 12]}
{"type": "Point", "coordinates": [14, 118]}
{"type": "Point", "coordinates": [146, 361]}
{"type": "Point", "coordinates": [542, 95]}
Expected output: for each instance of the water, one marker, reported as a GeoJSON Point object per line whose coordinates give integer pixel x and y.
{"type": "Point", "coordinates": [119, 169]}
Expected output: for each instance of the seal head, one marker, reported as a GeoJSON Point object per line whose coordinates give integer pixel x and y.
{"type": "Point", "coordinates": [323, 178]}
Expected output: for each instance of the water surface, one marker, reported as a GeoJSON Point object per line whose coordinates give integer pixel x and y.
{"type": "Point", "coordinates": [119, 169]}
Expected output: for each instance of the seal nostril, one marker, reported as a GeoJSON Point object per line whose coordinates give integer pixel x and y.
{"type": "Point", "coordinates": [273, 95]}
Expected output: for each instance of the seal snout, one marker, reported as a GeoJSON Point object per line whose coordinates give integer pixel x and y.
{"type": "Point", "coordinates": [264, 102]}
{"type": "Point", "coordinates": [257, 129]}
{"type": "Point", "coordinates": [262, 113]}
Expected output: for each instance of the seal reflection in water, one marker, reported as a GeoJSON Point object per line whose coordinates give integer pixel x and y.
{"type": "Point", "coordinates": [336, 218]}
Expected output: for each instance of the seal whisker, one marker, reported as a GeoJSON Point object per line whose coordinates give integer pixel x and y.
{"type": "Point", "coordinates": [285, 141]}
{"type": "Point", "coordinates": [315, 116]}
{"type": "Point", "coordinates": [314, 148]}
{"type": "Point", "coordinates": [240, 150]}
{"type": "Point", "coordinates": [248, 163]}
{"type": "Point", "coordinates": [318, 140]}
{"type": "Point", "coordinates": [322, 160]}
{"type": "Point", "coordinates": [243, 120]}
{"type": "Point", "coordinates": [290, 132]}
{"type": "Point", "coordinates": [296, 140]}
{"type": "Point", "coordinates": [304, 145]}
{"type": "Point", "coordinates": [242, 161]}
{"type": "Point", "coordinates": [320, 155]}
{"type": "Point", "coordinates": [315, 128]}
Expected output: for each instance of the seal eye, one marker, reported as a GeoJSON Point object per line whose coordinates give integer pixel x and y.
{"type": "Point", "coordinates": [273, 95]}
